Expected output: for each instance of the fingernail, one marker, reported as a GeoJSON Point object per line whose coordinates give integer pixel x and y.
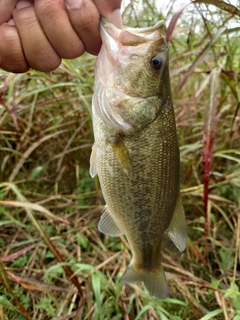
{"type": "Point", "coordinates": [74, 3]}
{"type": "Point", "coordinates": [11, 22]}
{"type": "Point", "coordinates": [23, 4]}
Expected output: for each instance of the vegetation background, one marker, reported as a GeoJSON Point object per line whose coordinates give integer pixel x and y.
{"type": "Point", "coordinates": [54, 264]}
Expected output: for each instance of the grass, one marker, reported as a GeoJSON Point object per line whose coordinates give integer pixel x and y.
{"type": "Point", "coordinates": [54, 263]}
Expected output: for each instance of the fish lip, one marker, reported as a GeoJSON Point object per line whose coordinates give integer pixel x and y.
{"type": "Point", "coordinates": [147, 29]}
{"type": "Point", "coordinates": [116, 39]}
{"type": "Point", "coordinates": [134, 30]}
{"type": "Point", "coordinates": [143, 34]}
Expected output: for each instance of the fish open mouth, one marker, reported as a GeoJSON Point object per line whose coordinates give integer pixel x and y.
{"type": "Point", "coordinates": [131, 36]}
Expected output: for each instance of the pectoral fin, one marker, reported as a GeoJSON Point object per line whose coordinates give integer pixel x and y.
{"type": "Point", "coordinates": [107, 225]}
{"type": "Point", "coordinates": [177, 228]}
{"type": "Point", "coordinates": [122, 155]}
{"type": "Point", "coordinates": [93, 162]}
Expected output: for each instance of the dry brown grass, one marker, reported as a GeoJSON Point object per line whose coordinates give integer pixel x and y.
{"type": "Point", "coordinates": [54, 263]}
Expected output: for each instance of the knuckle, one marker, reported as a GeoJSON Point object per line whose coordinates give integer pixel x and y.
{"type": "Point", "coordinates": [49, 9]}
{"type": "Point", "coordinates": [25, 18]}
{"type": "Point", "coordinates": [43, 62]}
{"type": "Point", "coordinates": [75, 49]}
{"type": "Point", "coordinates": [11, 55]}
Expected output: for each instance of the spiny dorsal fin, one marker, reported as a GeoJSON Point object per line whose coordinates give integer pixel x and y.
{"type": "Point", "coordinates": [177, 229]}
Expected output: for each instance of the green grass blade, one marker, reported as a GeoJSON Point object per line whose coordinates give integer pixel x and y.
{"type": "Point", "coordinates": [212, 314]}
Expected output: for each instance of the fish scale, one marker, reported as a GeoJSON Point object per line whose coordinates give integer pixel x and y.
{"type": "Point", "coordinates": [153, 181]}
{"type": "Point", "coordinates": [136, 154]}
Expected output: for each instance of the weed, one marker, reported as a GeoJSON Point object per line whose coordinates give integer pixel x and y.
{"type": "Point", "coordinates": [54, 263]}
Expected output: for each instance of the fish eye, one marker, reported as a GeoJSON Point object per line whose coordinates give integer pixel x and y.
{"type": "Point", "coordinates": [156, 62]}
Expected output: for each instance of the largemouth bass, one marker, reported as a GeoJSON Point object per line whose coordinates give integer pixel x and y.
{"type": "Point", "coordinates": [136, 153]}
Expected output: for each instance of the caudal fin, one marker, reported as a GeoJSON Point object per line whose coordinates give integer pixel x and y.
{"type": "Point", "coordinates": [155, 282]}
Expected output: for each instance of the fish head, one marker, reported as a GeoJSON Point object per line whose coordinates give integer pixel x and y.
{"type": "Point", "coordinates": [132, 75]}
{"type": "Point", "coordinates": [135, 58]}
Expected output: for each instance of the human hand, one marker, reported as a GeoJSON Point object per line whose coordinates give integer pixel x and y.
{"type": "Point", "coordinates": [39, 33]}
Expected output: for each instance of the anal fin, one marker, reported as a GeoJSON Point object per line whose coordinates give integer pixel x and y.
{"type": "Point", "coordinates": [107, 225]}
{"type": "Point", "coordinates": [177, 230]}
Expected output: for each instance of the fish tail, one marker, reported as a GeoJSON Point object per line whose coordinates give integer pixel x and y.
{"type": "Point", "coordinates": [155, 282]}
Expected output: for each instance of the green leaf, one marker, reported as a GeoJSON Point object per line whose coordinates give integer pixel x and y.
{"type": "Point", "coordinates": [82, 241]}
{"type": "Point", "coordinates": [236, 304]}
{"type": "Point", "coordinates": [175, 301]}
{"type": "Point", "coordinates": [36, 172]}
{"type": "Point", "coordinates": [5, 302]}
{"type": "Point", "coordinates": [10, 217]}
{"type": "Point", "coordinates": [163, 316]}
{"type": "Point", "coordinates": [46, 304]}
{"type": "Point", "coordinates": [96, 284]}
{"type": "Point", "coordinates": [143, 310]}
{"type": "Point", "coordinates": [233, 291]}
{"type": "Point", "coordinates": [212, 314]}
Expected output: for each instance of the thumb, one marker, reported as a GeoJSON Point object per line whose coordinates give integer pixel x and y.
{"type": "Point", "coordinates": [110, 10]}
{"type": "Point", "coordinates": [6, 9]}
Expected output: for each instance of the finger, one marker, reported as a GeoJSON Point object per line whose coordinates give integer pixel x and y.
{"type": "Point", "coordinates": [56, 25]}
{"type": "Point", "coordinates": [6, 9]}
{"type": "Point", "coordinates": [110, 10]}
{"type": "Point", "coordinates": [84, 18]}
{"type": "Point", "coordinates": [106, 6]}
{"type": "Point", "coordinates": [12, 57]}
{"type": "Point", "coordinates": [39, 53]}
